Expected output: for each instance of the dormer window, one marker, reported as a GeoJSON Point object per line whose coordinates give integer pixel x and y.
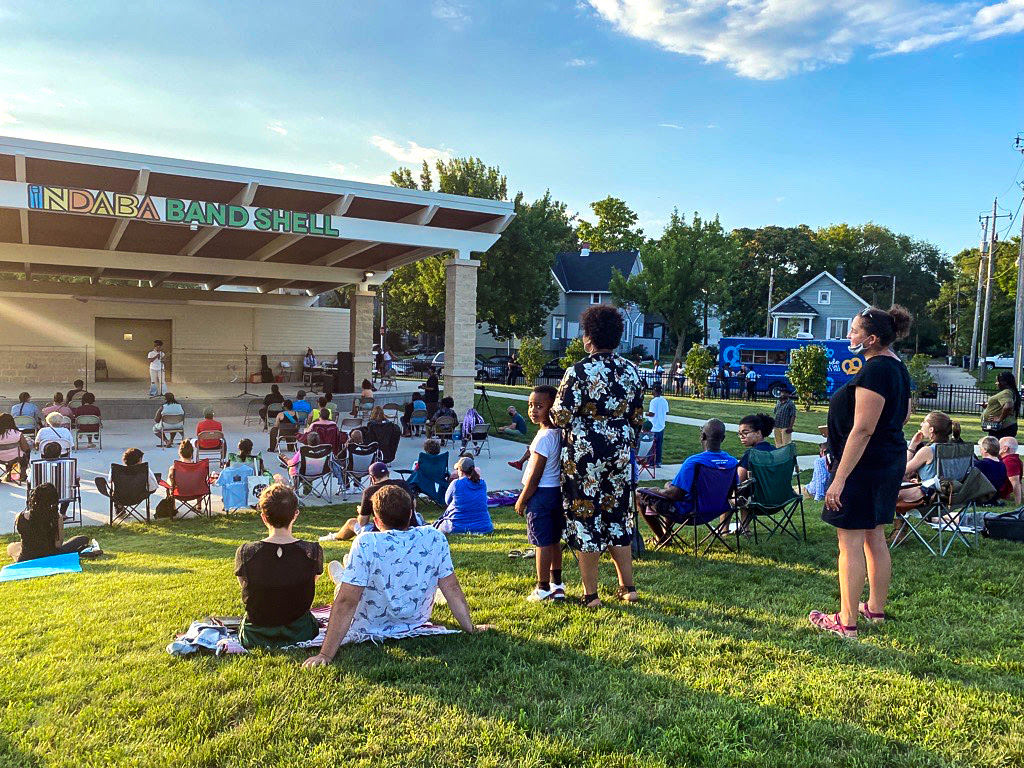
{"type": "Point", "coordinates": [595, 298]}
{"type": "Point", "coordinates": [824, 297]}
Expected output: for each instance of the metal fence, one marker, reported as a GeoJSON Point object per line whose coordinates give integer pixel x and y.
{"type": "Point", "coordinates": [955, 399]}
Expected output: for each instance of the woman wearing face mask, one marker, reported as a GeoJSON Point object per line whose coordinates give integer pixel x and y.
{"type": "Point", "coordinates": [865, 431]}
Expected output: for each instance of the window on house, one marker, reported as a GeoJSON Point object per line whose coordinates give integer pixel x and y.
{"type": "Point", "coordinates": [824, 297]}
{"type": "Point", "coordinates": [595, 298]}
{"type": "Point", "coordinates": [557, 327]}
{"type": "Point", "coordinates": [838, 327]}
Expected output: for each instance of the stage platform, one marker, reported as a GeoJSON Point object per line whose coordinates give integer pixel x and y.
{"type": "Point", "coordinates": [131, 400]}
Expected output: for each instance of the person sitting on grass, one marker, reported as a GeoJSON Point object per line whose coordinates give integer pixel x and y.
{"type": "Point", "coordinates": [466, 498]}
{"type": "Point", "coordinates": [380, 477]}
{"type": "Point", "coordinates": [991, 466]}
{"type": "Point", "coordinates": [674, 502]}
{"type": "Point", "coordinates": [516, 426]}
{"type": "Point", "coordinates": [1014, 469]}
{"type": "Point", "coordinates": [88, 408]}
{"type": "Point", "coordinates": [541, 498]}
{"type": "Point", "coordinates": [41, 528]}
{"type": "Point", "coordinates": [278, 576]}
{"type": "Point", "coordinates": [387, 585]}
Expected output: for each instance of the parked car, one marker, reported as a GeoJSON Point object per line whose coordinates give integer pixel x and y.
{"type": "Point", "coordinates": [552, 369]}
{"type": "Point", "coordinates": [999, 361]}
{"type": "Point", "coordinates": [401, 367]}
{"type": "Point", "coordinates": [484, 372]}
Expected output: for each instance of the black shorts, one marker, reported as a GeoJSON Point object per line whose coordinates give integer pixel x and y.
{"type": "Point", "coordinates": [869, 497]}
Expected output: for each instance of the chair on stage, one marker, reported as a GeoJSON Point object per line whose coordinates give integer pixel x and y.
{"type": "Point", "coordinates": [708, 507]}
{"type": "Point", "coordinates": [388, 381]}
{"type": "Point", "coordinates": [773, 502]}
{"type": "Point", "coordinates": [191, 491]}
{"type": "Point", "coordinates": [128, 492]}
{"type": "Point", "coordinates": [63, 473]}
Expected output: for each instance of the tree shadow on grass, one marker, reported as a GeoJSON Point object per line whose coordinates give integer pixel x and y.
{"type": "Point", "coordinates": [13, 757]}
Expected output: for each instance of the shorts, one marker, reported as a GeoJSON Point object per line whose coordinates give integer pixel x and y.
{"type": "Point", "coordinates": [869, 497]}
{"type": "Point", "coordinates": [545, 519]}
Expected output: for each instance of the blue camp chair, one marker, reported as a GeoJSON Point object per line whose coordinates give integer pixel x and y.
{"type": "Point", "coordinates": [709, 500]}
{"type": "Point", "coordinates": [431, 477]}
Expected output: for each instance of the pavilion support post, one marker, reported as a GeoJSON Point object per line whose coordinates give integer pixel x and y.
{"type": "Point", "coordinates": [460, 331]}
{"type": "Point", "coordinates": [360, 334]}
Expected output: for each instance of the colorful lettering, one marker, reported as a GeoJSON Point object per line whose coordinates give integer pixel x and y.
{"type": "Point", "coordinates": [147, 210]}
{"type": "Point", "coordinates": [262, 219]}
{"type": "Point", "coordinates": [54, 199]}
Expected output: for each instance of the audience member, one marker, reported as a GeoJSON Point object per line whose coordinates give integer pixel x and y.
{"type": "Point", "coordinates": [88, 408]}
{"type": "Point", "coordinates": [278, 577]}
{"type": "Point", "coordinates": [14, 448]}
{"type": "Point", "coordinates": [819, 478]}
{"type": "Point", "coordinates": [25, 407]}
{"type": "Point", "coordinates": [286, 416]}
{"type": "Point", "coordinates": [935, 428]}
{"type": "Point", "coordinates": [366, 392]}
{"type": "Point", "coordinates": [416, 404]}
{"type": "Point", "coordinates": [331, 405]}
{"type": "Point", "coordinates": [273, 398]}
{"type": "Point", "coordinates": [292, 463]}
{"type": "Point", "coordinates": [78, 388]}
{"type": "Point", "coordinates": [186, 455]}
{"type": "Point", "coordinates": [431, 392]}
{"type": "Point", "coordinates": [41, 528]}
{"type": "Point", "coordinates": [466, 498]}
{"type": "Point", "coordinates": [753, 432]}
{"type": "Point", "coordinates": [170, 407]}
{"type": "Point", "coordinates": [785, 418]}
{"type": "Point", "coordinates": [301, 407]}
{"type": "Point", "coordinates": [541, 498]}
{"type": "Point", "coordinates": [387, 586]}
{"type": "Point", "coordinates": [991, 466]}
{"type": "Point", "coordinates": [447, 409]}
{"type": "Point", "coordinates": [1014, 469]}
{"type": "Point", "coordinates": [129, 458]}
{"type": "Point", "coordinates": [56, 429]}
{"type": "Point", "coordinates": [517, 425]}
{"type": "Point", "coordinates": [323, 419]}
{"type": "Point", "coordinates": [58, 406]}
{"type": "Point", "coordinates": [674, 502]}
{"type": "Point", "coordinates": [380, 477]}
{"type": "Point", "coordinates": [52, 452]}
{"type": "Point", "coordinates": [210, 424]}
{"type": "Point", "coordinates": [658, 414]}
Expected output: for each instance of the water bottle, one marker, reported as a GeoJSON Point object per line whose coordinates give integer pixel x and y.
{"type": "Point", "coordinates": [457, 434]}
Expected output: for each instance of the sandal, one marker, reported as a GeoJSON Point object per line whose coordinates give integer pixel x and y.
{"type": "Point", "coordinates": [829, 622]}
{"type": "Point", "coordinates": [870, 616]}
{"type": "Point", "coordinates": [627, 593]}
{"type": "Point", "coordinates": [590, 601]}
{"type": "Point", "coordinates": [515, 554]}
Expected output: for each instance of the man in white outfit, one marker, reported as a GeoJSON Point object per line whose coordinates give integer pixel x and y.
{"type": "Point", "coordinates": [157, 386]}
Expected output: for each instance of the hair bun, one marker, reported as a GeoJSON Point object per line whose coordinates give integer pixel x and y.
{"type": "Point", "coordinates": [901, 320]}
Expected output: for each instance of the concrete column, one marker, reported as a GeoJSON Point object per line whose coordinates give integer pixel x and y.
{"type": "Point", "coordinates": [360, 334]}
{"type": "Point", "coordinates": [460, 331]}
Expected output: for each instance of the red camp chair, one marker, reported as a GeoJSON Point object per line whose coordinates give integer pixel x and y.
{"type": "Point", "coordinates": [191, 491]}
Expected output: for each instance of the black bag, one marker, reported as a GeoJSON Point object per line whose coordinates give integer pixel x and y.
{"type": "Point", "coordinates": [165, 508]}
{"type": "Point", "coordinates": [1008, 526]}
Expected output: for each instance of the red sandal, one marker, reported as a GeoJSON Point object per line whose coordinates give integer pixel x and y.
{"type": "Point", "coordinates": [871, 616]}
{"type": "Point", "coordinates": [830, 622]}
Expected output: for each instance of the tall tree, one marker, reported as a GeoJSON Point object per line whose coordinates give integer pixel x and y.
{"type": "Point", "coordinates": [680, 271]}
{"type": "Point", "coordinates": [615, 230]}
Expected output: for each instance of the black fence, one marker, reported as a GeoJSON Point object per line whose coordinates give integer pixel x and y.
{"type": "Point", "coordinates": [953, 398]}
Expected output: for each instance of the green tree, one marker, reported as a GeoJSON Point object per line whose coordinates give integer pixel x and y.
{"type": "Point", "coordinates": [574, 352]}
{"type": "Point", "coordinates": [531, 357]}
{"type": "Point", "coordinates": [808, 372]}
{"type": "Point", "coordinates": [920, 377]}
{"type": "Point", "coordinates": [615, 230]}
{"type": "Point", "coordinates": [680, 272]}
{"type": "Point", "coordinates": [699, 362]}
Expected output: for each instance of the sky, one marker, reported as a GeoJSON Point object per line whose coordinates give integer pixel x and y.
{"type": "Point", "coordinates": [785, 112]}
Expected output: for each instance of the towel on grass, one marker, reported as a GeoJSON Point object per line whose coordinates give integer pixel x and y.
{"type": "Point", "coordinates": [211, 636]}
{"type": "Point", "coordinates": [41, 566]}
{"type": "Point", "coordinates": [502, 498]}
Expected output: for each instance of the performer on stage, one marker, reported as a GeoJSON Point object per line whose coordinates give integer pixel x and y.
{"type": "Point", "coordinates": [157, 385]}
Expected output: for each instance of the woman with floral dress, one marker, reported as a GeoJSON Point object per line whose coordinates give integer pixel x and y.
{"type": "Point", "coordinates": [600, 409]}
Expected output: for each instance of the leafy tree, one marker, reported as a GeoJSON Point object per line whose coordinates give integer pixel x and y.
{"type": "Point", "coordinates": [920, 377]}
{"type": "Point", "coordinates": [680, 272]}
{"type": "Point", "coordinates": [574, 352]}
{"type": "Point", "coordinates": [615, 229]}
{"type": "Point", "coordinates": [699, 362]}
{"type": "Point", "coordinates": [531, 358]}
{"type": "Point", "coordinates": [808, 372]}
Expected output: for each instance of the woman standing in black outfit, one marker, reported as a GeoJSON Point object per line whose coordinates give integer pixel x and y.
{"type": "Point", "coordinates": [865, 433]}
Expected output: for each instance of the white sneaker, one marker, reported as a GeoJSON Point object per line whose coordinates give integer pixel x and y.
{"type": "Point", "coordinates": [327, 537]}
{"type": "Point", "coordinates": [540, 595]}
{"type": "Point", "coordinates": [335, 570]}
{"type": "Point", "coordinates": [94, 544]}
{"type": "Point", "coordinates": [557, 591]}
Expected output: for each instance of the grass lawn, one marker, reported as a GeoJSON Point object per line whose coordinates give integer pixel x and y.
{"type": "Point", "coordinates": [716, 666]}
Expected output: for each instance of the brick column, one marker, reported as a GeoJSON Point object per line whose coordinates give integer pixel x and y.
{"type": "Point", "coordinates": [360, 334]}
{"type": "Point", "coordinates": [460, 331]}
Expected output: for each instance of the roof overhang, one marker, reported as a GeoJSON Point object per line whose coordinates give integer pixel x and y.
{"type": "Point", "coordinates": [89, 212]}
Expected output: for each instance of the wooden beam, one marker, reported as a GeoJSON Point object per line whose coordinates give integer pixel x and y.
{"type": "Point", "coordinates": [120, 225]}
{"type": "Point", "coordinates": [331, 259]}
{"type": "Point", "coordinates": [278, 244]}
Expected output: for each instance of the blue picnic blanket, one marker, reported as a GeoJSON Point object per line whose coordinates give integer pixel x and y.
{"type": "Point", "coordinates": [41, 566]}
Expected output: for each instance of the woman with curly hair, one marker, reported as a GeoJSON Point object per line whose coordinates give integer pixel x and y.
{"type": "Point", "coordinates": [600, 408]}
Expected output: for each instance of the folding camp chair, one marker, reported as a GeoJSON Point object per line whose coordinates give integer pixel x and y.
{"type": "Point", "coordinates": [418, 421]}
{"type": "Point", "coordinates": [191, 490]}
{"type": "Point", "coordinates": [313, 476]}
{"type": "Point", "coordinates": [328, 434]}
{"type": "Point", "coordinates": [97, 434]}
{"type": "Point", "coordinates": [63, 473]}
{"type": "Point", "coordinates": [430, 477]}
{"type": "Point", "coordinates": [481, 438]}
{"type": "Point", "coordinates": [773, 502]}
{"type": "Point", "coordinates": [443, 428]}
{"type": "Point", "coordinates": [168, 426]}
{"type": "Point", "coordinates": [950, 513]}
{"type": "Point", "coordinates": [385, 434]}
{"type": "Point", "coordinates": [209, 435]}
{"type": "Point", "coordinates": [708, 507]}
{"type": "Point", "coordinates": [128, 492]}
{"type": "Point", "coordinates": [254, 460]}
{"type": "Point", "coordinates": [233, 482]}
{"type": "Point", "coordinates": [348, 423]}
{"type": "Point", "coordinates": [358, 458]}
{"type": "Point", "coordinates": [9, 465]}
{"type": "Point", "coordinates": [646, 455]}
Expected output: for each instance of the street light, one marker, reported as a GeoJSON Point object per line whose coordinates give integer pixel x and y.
{"type": "Point", "coordinates": [882, 277]}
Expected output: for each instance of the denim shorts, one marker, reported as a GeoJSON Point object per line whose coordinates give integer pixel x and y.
{"type": "Point", "coordinates": [545, 520]}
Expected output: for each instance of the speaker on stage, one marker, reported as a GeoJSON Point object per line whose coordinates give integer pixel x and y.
{"type": "Point", "coordinates": [344, 376]}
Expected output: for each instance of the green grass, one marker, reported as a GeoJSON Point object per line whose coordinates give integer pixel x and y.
{"type": "Point", "coordinates": [715, 667]}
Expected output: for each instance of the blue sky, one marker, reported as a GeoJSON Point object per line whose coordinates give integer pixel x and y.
{"type": "Point", "coordinates": [781, 112]}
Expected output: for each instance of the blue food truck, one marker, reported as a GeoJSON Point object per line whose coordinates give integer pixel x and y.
{"type": "Point", "coordinates": [770, 359]}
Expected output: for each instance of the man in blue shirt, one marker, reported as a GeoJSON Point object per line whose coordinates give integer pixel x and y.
{"type": "Point", "coordinates": [517, 425]}
{"type": "Point", "coordinates": [301, 406]}
{"type": "Point", "coordinates": [675, 500]}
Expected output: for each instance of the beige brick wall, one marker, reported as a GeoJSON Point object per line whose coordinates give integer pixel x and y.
{"type": "Point", "coordinates": [460, 332]}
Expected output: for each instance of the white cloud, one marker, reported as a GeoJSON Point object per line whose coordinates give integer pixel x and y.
{"type": "Point", "coordinates": [673, 126]}
{"type": "Point", "coordinates": [769, 39]}
{"type": "Point", "coordinates": [5, 116]}
{"type": "Point", "coordinates": [452, 13]}
{"type": "Point", "coordinates": [410, 152]}
{"type": "Point", "coordinates": [277, 127]}
{"type": "Point", "coordinates": [579, 63]}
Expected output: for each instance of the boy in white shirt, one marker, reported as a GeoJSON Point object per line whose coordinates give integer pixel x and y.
{"type": "Point", "coordinates": [541, 498]}
{"type": "Point", "coordinates": [658, 416]}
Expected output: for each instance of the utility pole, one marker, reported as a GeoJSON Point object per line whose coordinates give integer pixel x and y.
{"type": "Point", "coordinates": [1018, 311]}
{"type": "Point", "coordinates": [771, 288]}
{"type": "Point", "coordinates": [983, 353]}
{"type": "Point", "coordinates": [982, 247]}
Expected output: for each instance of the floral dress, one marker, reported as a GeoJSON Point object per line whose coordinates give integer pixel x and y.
{"type": "Point", "coordinates": [600, 408]}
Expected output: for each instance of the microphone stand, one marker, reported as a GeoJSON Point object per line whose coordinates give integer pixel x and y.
{"type": "Point", "coordinates": [245, 382]}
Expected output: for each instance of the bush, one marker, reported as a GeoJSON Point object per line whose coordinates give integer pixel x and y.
{"type": "Point", "coordinates": [920, 377]}
{"type": "Point", "coordinates": [808, 371]}
{"type": "Point", "coordinates": [573, 354]}
{"type": "Point", "coordinates": [699, 363]}
{"type": "Point", "coordinates": [531, 358]}
{"type": "Point", "coordinates": [637, 353]}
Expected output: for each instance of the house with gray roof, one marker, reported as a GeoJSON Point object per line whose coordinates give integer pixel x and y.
{"type": "Point", "coordinates": [821, 307]}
